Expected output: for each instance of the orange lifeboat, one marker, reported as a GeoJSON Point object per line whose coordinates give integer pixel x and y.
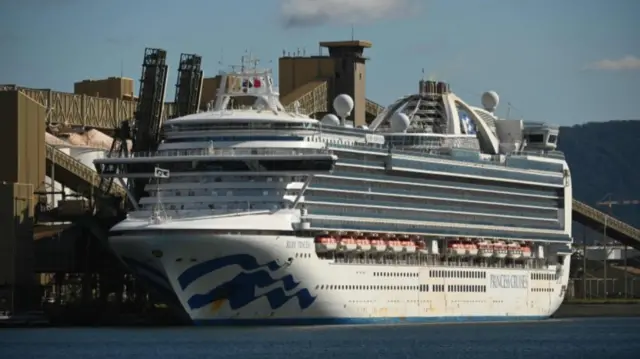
{"type": "Point", "coordinates": [471, 249]}
{"type": "Point", "coordinates": [514, 251]}
{"type": "Point", "coordinates": [408, 246]}
{"type": "Point", "coordinates": [325, 243]}
{"type": "Point", "coordinates": [485, 249]}
{"type": "Point", "coordinates": [394, 245]}
{"type": "Point", "coordinates": [332, 244]}
{"type": "Point", "coordinates": [455, 248]}
{"type": "Point", "coordinates": [348, 244]}
{"type": "Point", "coordinates": [363, 243]}
{"type": "Point", "coordinates": [499, 250]}
{"type": "Point", "coordinates": [378, 244]}
{"type": "Point", "coordinates": [526, 251]}
{"type": "Point", "coordinates": [421, 246]}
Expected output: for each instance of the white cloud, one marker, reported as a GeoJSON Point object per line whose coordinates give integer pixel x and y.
{"type": "Point", "coordinates": [626, 63]}
{"type": "Point", "coordinates": [303, 13]}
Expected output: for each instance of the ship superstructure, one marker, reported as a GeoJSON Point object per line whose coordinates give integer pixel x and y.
{"type": "Point", "coordinates": [439, 211]}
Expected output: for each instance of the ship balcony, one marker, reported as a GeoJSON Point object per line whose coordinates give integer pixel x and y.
{"type": "Point", "coordinates": [204, 154]}
{"type": "Point", "coordinates": [223, 161]}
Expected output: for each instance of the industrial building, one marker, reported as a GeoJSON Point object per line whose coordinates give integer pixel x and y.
{"type": "Point", "coordinates": [55, 209]}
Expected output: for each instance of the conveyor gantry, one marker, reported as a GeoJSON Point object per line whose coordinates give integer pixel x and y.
{"type": "Point", "coordinates": [312, 99]}
{"type": "Point", "coordinates": [598, 220]}
{"type": "Point", "coordinates": [76, 175]}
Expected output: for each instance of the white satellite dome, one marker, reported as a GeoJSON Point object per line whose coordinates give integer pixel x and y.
{"type": "Point", "coordinates": [400, 122]}
{"type": "Point", "coordinates": [330, 120]}
{"type": "Point", "coordinates": [490, 100]}
{"type": "Point", "coordinates": [343, 105]}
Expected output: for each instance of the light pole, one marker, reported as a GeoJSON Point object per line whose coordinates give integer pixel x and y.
{"type": "Point", "coordinates": [609, 203]}
{"type": "Point", "coordinates": [604, 201]}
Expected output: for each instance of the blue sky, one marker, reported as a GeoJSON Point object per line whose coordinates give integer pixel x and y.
{"type": "Point", "coordinates": [560, 61]}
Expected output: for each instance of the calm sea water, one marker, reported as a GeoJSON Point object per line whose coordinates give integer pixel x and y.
{"type": "Point", "coordinates": [567, 339]}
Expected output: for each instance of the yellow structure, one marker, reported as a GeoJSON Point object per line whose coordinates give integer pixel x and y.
{"type": "Point", "coordinates": [120, 88]}
{"type": "Point", "coordinates": [313, 81]}
{"type": "Point", "coordinates": [23, 173]}
{"type": "Point", "coordinates": [316, 80]}
{"type": "Point", "coordinates": [343, 70]}
{"type": "Point", "coordinates": [23, 146]}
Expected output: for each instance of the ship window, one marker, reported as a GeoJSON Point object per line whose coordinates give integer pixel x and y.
{"type": "Point", "coordinates": [552, 138]}
{"type": "Point", "coordinates": [535, 138]}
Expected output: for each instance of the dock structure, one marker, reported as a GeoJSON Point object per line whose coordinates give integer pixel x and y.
{"type": "Point", "coordinates": [64, 248]}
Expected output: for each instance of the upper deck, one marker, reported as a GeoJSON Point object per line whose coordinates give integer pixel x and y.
{"type": "Point", "coordinates": [434, 123]}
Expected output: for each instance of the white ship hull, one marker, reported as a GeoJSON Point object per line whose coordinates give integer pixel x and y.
{"type": "Point", "coordinates": [261, 279]}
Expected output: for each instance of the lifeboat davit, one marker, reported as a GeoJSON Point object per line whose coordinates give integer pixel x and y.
{"type": "Point", "coordinates": [485, 249]}
{"type": "Point", "coordinates": [363, 244]}
{"type": "Point", "coordinates": [348, 244]}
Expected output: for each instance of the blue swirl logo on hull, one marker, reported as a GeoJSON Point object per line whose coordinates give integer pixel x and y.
{"type": "Point", "coordinates": [241, 289]}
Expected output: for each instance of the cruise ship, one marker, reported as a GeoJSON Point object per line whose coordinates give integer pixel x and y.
{"type": "Point", "coordinates": [438, 211]}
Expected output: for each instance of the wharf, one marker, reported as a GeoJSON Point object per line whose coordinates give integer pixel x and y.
{"type": "Point", "coordinates": [584, 309]}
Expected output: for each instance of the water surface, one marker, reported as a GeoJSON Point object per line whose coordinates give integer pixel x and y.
{"type": "Point", "coordinates": [600, 338]}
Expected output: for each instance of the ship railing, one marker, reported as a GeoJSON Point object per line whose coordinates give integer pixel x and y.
{"type": "Point", "coordinates": [432, 151]}
{"type": "Point", "coordinates": [550, 154]}
{"type": "Point", "coordinates": [195, 213]}
{"type": "Point", "coordinates": [199, 128]}
{"type": "Point", "coordinates": [420, 259]}
{"type": "Point", "coordinates": [436, 152]}
{"type": "Point", "coordinates": [206, 152]}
